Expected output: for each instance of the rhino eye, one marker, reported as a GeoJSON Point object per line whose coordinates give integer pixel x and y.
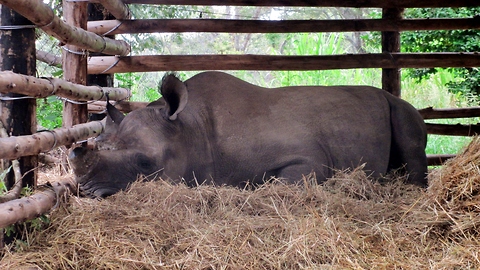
{"type": "Point", "coordinates": [144, 163]}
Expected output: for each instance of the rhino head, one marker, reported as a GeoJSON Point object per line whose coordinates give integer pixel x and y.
{"type": "Point", "coordinates": [144, 142]}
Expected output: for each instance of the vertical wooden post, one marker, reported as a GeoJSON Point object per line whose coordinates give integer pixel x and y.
{"type": "Point", "coordinates": [75, 63]}
{"type": "Point", "coordinates": [391, 77]}
{"type": "Point", "coordinates": [96, 12]}
{"type": "Point", "coordinates": [17, 53]}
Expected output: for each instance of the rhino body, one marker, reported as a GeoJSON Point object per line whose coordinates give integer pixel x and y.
{"type": "Point", "coordinates": [218, 129]}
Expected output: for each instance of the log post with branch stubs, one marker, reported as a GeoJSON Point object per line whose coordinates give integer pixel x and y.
{"type": "Point", "coordinates": [42, 15]}
{"type": "Point", "coordinates": [15, 147]}
{"type": "Point", "coordinates": [11, 82]}
{"type": "Point", "coordinates": [17, 113]}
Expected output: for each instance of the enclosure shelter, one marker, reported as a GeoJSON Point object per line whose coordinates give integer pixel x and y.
{"type": "Point", "coordinates": [91, 55]}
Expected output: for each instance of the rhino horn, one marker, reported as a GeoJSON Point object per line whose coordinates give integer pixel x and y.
{"type": "Point", "coordinates": [115, 115]}
{"type": "Point", "coordinates": [175, 95]}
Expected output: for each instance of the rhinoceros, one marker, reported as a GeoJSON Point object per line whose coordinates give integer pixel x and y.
{"type": "Point", "coordinates": [215, 128]}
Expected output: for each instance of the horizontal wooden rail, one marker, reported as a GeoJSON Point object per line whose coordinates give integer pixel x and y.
{"type": "Point", "coordinates": [148, 63]}
{"type": "Point", "coordinates": [40, 87]}
{"type": "Point", "coordinates": [310, 3]}
{"type": "Point", "coordinates": [287, 26]}
{"type": "Point", "coordinates": [438, 159]}
{"type": "Point", "coordinates": [42, 15]}
{"type": "Point", "coordinates": [453, 130]}
{"type": "Point", "coordinates": [431, 113]}
{"type": "Point", "coordinates": [29, 145]}
{"type": "Point", "coordinates": [37, 204]}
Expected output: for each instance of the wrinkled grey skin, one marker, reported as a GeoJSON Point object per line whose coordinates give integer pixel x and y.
{"type": "Point", "coordinates": [218, 129]}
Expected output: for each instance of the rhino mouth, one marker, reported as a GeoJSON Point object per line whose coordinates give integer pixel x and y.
{"type": "Point", "coordinates": [91, 190]}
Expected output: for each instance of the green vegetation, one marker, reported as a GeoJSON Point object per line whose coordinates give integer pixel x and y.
{"type": "Point", "coordinates": [467, 80]}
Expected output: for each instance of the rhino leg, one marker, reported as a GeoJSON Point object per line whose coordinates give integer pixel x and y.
{"type": "Point", "coordinates": [409, 139]}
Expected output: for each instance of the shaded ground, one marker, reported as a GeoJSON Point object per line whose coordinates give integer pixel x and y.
{"type": "Point", "coordinates": [348, 222]}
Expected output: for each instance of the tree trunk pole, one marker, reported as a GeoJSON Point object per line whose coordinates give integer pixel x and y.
{"type": "Point", "coordinates": [75, 63]}
{"type": "Point", "coordinates": [97, 12]}
{"type": "Point", "coordinates": [391, 44]}
{"type": "Point", "coordinates": [17, 54]}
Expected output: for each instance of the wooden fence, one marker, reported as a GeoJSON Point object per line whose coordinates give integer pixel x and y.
{"type": "Point", "coordinates": [112, 57]}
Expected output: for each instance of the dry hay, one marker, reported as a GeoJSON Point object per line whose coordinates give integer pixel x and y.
{"type": "Point", "coordinates": [349, 222]}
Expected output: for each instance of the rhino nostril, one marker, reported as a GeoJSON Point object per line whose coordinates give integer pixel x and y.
{"type": "Point", "coordinates": [77, 152]}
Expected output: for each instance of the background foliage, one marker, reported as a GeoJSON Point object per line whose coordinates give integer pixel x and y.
{"type": "Point", "coordinates": [467, 80]}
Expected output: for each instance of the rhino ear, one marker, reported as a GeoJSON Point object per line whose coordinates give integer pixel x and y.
{"type": "Point", "coordinates": [114, 118]}
{"type": "Point", "coordinates": [175, 95]}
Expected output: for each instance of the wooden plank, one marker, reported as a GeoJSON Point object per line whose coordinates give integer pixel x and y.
{"type": "Point", "coordinates": [431, 113]}
{"type": "Point", "coordinates": [42, 15]}
{"type": "Point", "coordinates": [148, 63]}
{"type": "Point", "coordinates": [311, 3]}
{"type": "Point", "coordinates": [287, 26]}
{"type": "Point", "coordinates": [391, 44]}
{"type": "Point", "coordinates": [27, 145]}
{"type": "Point", "coordinates": [438, 159]}
{"type": "Point", "coordinates": [453, 130]}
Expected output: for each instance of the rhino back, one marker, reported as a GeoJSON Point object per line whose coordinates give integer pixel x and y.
{"type": "Point", "coordinates": [253, 130]}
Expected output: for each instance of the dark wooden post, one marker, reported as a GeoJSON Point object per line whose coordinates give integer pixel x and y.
{"type": "Point", "coordinates": [17, 53]}
{"type": "Point", "coordinates": [75, 64]}
{"type": "Point", "coordinates": [391, 77]}
{"type": "Point", "coordinates": [96, 12]}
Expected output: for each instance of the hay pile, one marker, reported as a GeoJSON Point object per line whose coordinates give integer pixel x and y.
{"type": "Point", "coordinates": [348, 222]}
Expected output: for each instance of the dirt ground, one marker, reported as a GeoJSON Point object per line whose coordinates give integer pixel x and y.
{"type": "Point", "coordinates": [348, 222]}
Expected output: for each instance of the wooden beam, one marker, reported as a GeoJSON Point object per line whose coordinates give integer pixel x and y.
{"type": "Point", "coordinates": [115, 7]}
{"type": "Point", "coordinates": [431, 113]}
{"type": "Point", "coordinates": [438, 159]}
{"type": "Point", "coordinates": [288, 26]}
{"type": "Point", "coordinates": [42, 15]}
{"type": "Point", "coordinates": [147, 63]}
{"type": "Point", "coordinates": [35, 87]}
{"type": "Point", "coordinates": [453, 130]}
{"type": "Point", "coordinates": [17, 146]}
{"type": "Point", "coordinates": [310, 3]}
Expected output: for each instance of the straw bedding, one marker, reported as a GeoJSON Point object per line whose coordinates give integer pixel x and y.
{"type": "Point", "coordinates": [349, 222]}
